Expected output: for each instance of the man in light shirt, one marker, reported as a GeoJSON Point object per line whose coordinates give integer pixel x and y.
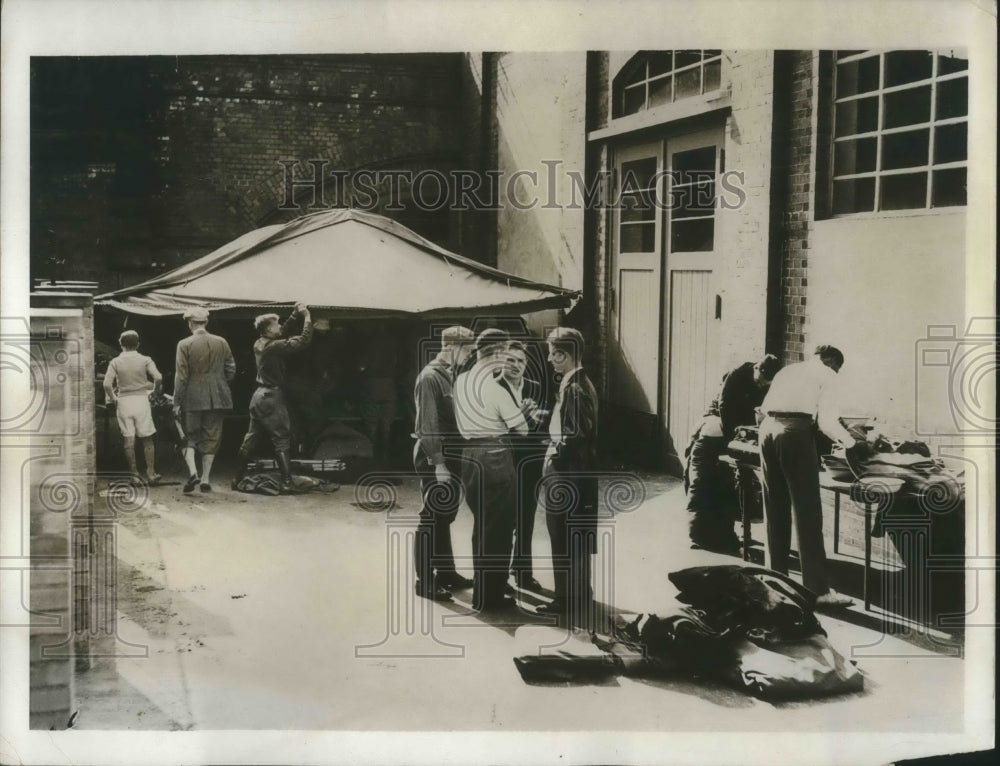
{"type": "Point", "coordinates": [800, 398]}
{"type": "Point", "coordinates": [485, 413]}
{"type": "Point", "coordinates": [529, 454]}
{"type": "Point", "coordinates": [127, 384]}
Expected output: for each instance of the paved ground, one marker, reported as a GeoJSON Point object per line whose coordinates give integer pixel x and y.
{"type": "Point", "coordinates": [256, 613]}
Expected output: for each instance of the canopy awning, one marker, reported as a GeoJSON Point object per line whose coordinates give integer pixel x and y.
{"type": "Point", "coordinates": [344, 262]}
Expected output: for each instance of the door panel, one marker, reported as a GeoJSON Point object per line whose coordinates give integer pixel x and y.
{"type": "Point", "coordinates": [693, 163]}
{"type": "Point", "coordinates": [640, 341]}
{"type": "Point", "coordinates": [636, 279]}
{"type": "Point", "coordinates": [690, 335]}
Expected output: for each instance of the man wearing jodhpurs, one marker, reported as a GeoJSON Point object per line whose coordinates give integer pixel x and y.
{"type": "Point", "coordinates": [485, 414]}
{"type": "Point", "coordinates": [437, 461]}
{"type": "Point", "coordinates": [268, 411]}
{"type": "Point", "coordinates": [799, 400]}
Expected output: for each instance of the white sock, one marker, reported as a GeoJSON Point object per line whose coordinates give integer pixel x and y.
{"type": "Point", "coordinates": [189, 459]}
{"type": "Point", "coordinates": [206, 468]}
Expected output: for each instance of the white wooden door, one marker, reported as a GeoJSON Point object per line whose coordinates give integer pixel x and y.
{"type": "Point", "coordinates": [636, 279]}
{"type": "Point", "coordinates": [693, 163]}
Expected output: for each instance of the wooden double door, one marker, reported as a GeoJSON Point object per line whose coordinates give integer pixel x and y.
{"type": "Point", "coordinates": [665, 308]}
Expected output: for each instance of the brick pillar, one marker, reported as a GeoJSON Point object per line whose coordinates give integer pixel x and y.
{"type": "Point", "coordinates": [792, 202]}
{"type": "Point", "coordinates": [60, 443]}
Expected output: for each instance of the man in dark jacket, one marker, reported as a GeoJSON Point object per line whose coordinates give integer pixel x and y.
{"type": "Point", "coordinates": [712, 499]}
{"type": "Point", "coordinates": [569, 483]}
{"type": "Point", "coordinates": [203, 371]}
{"type": "Point", "coordinates": [269, 417]}
{"type": "Point", "coordinates": [436, 460]}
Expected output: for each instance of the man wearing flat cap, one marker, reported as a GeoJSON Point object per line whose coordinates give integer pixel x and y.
{"type": "Point", "coordinates": [204, 368]}
{"type": "Point", "coordinates": [269, 419]}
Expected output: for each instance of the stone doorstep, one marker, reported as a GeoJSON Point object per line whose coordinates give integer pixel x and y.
{"type": "Point", "coordinates": [50, 672]}
{"type": "Point", "coordinates": [48, 699]}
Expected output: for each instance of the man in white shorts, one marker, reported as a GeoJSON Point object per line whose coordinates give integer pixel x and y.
{"type": "Point", "coordinates": [127, 383]}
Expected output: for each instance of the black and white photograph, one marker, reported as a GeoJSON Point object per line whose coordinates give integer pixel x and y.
{"type": "Point", "coordinates": [430, 382]}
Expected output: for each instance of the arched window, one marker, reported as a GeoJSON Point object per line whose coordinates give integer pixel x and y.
{"type": "Point", "coordinates": [654, 78]}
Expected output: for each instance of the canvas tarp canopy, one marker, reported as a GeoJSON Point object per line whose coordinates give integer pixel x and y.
{"type": "Point", "coordinates": [341, 262]}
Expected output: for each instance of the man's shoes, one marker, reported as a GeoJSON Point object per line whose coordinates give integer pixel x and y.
{"type": "Point", "coordinates": [453, 581]}
{"type": "Point", "coordinates": [436, 593]}
{"type": "Point", "coordinates": [190, 484]}
{"type": "Point", "coordinates": [557, 608]}
{"type": "Point", "coordinates": [529, 583]}
{"type": "Point", "coordinates": [504, 604]}
{"type": "Point", "coordinates": [153, 479]}
{"type": "Point", "coordinates": [205, 487]}
{"type": "Point", "coordinates": [833, 600]}
{"type": "Point", "coordinates": [728, 546]}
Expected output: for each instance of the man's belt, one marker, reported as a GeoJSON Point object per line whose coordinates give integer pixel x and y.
{"type": "Point", "coordinates": [486, 441]}
{"type": "Point", "coordinates": [269, 386]}
{"type": "Point", "coordinates": [793, 415]}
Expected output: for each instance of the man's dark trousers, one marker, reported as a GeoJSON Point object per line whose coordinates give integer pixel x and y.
{"type": "Point", "coordinates": [432, 549]}
{"type": "Point", "coordinates": [573, 536]}
{"type": "Point", "coordinates": [490, 490]}
{"type": "Point", "coordinates": [712, 499]}
{"type": "Point", "coordinates": [791, 485]}
{"type": "Point", "coordinates": [528, 463]}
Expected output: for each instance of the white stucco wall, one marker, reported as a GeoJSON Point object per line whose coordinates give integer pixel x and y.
{"type": "Point", "coordinates": [742, 233]}
{"type": "Point", "coordinates": [875, 285]}
{"type": "Point", "coordinates": [541, 103]}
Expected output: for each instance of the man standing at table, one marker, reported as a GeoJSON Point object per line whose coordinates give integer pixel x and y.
{"type": "Point", "coordinates": [203, 370]}
{"type": "Point", "coordinates": [712, 499]}
{"type": "Point", "coordinates": [485, 414]}
{"type": "Point", "coordinates": [799, 400]}
{"type": "Point", "coordinates": [436, 461]}
{"type": "Point", "coordinates": [569, 481]}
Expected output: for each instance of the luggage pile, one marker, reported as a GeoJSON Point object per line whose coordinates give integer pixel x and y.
{"type": "Point", "coordinates": [748, 627]}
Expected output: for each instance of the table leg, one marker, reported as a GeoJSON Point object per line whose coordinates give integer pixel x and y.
{"type": "Point", "coordinates": [836, 522]}
{"type": "Point", "coordinates": [868, 553]}
{"type": "Point", "coordinates": [746, 529]}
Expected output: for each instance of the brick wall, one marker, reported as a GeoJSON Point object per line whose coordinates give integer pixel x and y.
{"type": "Point", "coordinates": [156, 160]}
{"type": "Point", "coordinates": [598, 238]}
{"type": "Point", "coordinates": [795, 216]}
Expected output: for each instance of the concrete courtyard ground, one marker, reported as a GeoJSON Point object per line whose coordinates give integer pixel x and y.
{"type": "Point", "coordinates": [247, 612]}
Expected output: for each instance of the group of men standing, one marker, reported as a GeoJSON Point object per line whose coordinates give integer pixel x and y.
{"type": "Point", "coordinates": [482, 434]}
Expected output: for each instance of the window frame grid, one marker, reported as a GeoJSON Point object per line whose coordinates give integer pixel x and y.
{"type": "Point", "coordinates": [648, 79]}
{"type": "Point", "coordinates": [928, 168]}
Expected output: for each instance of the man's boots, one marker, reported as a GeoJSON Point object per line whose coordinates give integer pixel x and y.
{"type": "Point", "coordinates": [285, 468]}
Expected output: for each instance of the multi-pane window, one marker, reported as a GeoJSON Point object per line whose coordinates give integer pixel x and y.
{"type": "Point", "coordinates": [662, 77]}
{"type": "Point", "coordinates": [692, 197]}
{"type": "Point", "coordinates": [637, 207]}
{"type": "Point", "coordinates": [900, 130]}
